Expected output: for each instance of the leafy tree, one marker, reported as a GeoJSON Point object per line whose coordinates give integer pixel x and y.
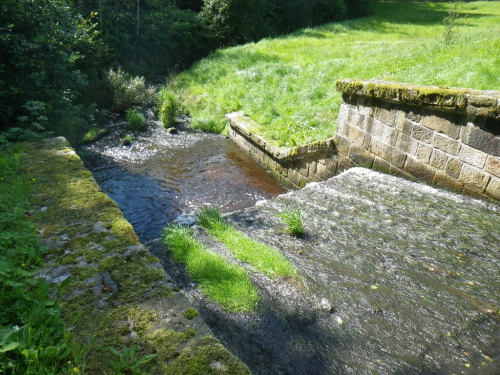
{"type": "Point", "coordinates": [39, 42]}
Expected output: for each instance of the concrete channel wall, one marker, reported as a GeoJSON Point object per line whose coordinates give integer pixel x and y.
{"type": "Point", "coordinates": [449, 137]}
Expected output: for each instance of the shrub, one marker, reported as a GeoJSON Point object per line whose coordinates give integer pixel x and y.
{"type": "Point", "coordinates": [125, 91]}
{"type": "Point", "coordinates": [136, 120]}
{"type": "Point", "coordinates": [168, 107]}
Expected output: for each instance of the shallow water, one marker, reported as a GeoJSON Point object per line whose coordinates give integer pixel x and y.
{"type": "Point", "coordinates": [165, 177]}
{"type": "Point", "coordinates": [411, 271]}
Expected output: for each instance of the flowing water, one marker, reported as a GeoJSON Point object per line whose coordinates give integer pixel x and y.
{"type": "Point", "coordinates": [396, 277]}
{"type": "Point", "coordinates": [164, 177]}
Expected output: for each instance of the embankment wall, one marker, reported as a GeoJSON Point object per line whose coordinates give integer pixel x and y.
{"type": "Point", "coordinates": [449, 137]}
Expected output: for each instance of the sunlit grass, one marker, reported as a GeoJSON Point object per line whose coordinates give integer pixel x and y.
{"type": "Point", "coordinates": [262, 258]}
{"type": "Point", "coordinates": [223, 282]}
{"type": "Point", "coordinates": [287, 84]}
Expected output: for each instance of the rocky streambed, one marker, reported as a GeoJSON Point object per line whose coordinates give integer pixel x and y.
{"type": "Point", "coordinates": [396, 277]}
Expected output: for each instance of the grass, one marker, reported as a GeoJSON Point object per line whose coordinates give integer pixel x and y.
{"type": "Point", "coordinates": [221, 281]}
{"type": "Point", "coordinates": [263, 258]}
{"type": "Point", "coordinates": [287, 84]}
{"type": "Point", "coordinates": [136, 119]}
{"type": "Point", "coordinates": [94, 134]}
{"type": "Point", "coordinates": [293, 220]}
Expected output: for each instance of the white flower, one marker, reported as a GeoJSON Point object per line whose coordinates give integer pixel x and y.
{"type": "Point", "coordinates": [16, 328]}
{"type": "Point", "coordinates": [11, 364]}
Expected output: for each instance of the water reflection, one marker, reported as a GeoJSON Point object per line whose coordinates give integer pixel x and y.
{"type": "Point", "coordinates": [163, 177]}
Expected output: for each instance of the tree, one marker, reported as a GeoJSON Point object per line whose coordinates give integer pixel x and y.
{"type": "Point", "coordinates": [39, 41]}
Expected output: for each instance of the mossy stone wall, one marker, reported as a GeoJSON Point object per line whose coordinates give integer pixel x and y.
{"type": "Point", "coordinates": [446, 136]}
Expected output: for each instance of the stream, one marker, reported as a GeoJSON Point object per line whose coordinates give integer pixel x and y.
{"type": "Point", "coordinates": [396, 277]}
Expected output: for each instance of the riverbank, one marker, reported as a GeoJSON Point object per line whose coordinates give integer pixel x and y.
{"type": "Point", "coordinates": [119, 294]}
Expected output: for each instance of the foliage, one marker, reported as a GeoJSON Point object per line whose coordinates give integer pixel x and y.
{"type": "Point", "coordinates": [39, 40]}
{"type": "Point", "coordinates": [136, 119]}
{"type": "Point", "coordinates": [33, 338]}
{"type": "Point", "coordinates": [263, 258]}
{"type": "Point", "coordinates": [168, 107]}
{"type": "Point", "coordinates": [223, 282]}
{"type": "Point", "coordinates": [127, 363]}
{"type": "Point", "coordinates": [190, 313]}
{"type": "Point", "coordinates": [293, 220]}
{"type": "Point", "coordinates": [287, 84]}
{"type": "Point", "coordinates": [127, 140]}
{"type": "Point", "coordinates": [126, 91]}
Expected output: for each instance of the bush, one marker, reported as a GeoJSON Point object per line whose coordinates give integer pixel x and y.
{"type": "Point", "coordinates": [137, 120]}
{"type": "Point", "coordinates": [168, 107]}
{"type": "Point", "coordinates": [125, 91]}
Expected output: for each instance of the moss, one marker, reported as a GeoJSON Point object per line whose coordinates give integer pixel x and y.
{"type": "Point", "coordinates": [206, 356]}
{"type": "Point", "coordinates": [190, 313]}
{"type": "Point", "coordinates": [83, 273]}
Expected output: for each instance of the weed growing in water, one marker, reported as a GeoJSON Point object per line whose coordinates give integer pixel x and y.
{"type": "Point", "coordinates": [94, 134]}
{"type": "Point", "coordinates": [221, 281]}
{"type": "Point", "coordinates": [136, 119]}
{"type": "Point", "coordinates": [127, 140]}
{"type": "Point", "coordinates": [263, 258]}
{"type": "Point", "coordinates": [294, 221]}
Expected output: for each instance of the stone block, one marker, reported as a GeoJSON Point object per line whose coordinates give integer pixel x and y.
{"type": "Point", "coordinates": [312, 166]}
{"type": "Point", "coordinates": [493, 188]}
{"type": "Point", "coordinates": [396, 157]}
{"type": "Point", "coordinates": [353, 117]}
{"type": "Point", "coordinates": [414, 116]}
{"type": "Point", "coordinates": [323, 172]}
{"type": "Point", "coordinates": [442, 179]}
{"type": "Point", "coordinates": [331, 164]}
{"type": "Point", "coordinates": [314, 178]}
{"type": "Point", "coordinates": [481, 140]}
{"type": "Point", "coordinates": [386, 115]}
{"type": "Point", "coordinates": [419, 170]}
{"type": "Point", "coordinates": [424, 153]}
{"type": "Point", "coordinates": [453, 168]}
{"type": "Point", "coordinates": [342, 122]}
{"type": "Point", "coordinates": [493, 166]}
{"type": "Point", "coordinates": [441, 125]}
{"type": "Point", "coordinates": [302, 166]}
{"type": "Point", "coordinates": [474, 178]}
{"type": "Point", "coordinates": [378, 129]}
{"type": "Point", "coordinates": [361, 157]}
{"type": "Point", "coordinates": [366, 141]}
{"type": "Point", "coordinates": [472, 156]}
{"type": "Point", "coordinates": [473, 192]}
{"type": "Point", "coordinates": [422, 134]}
{"type": "Point", "coordinates": [390, 136]}
{"type": "Point", "coordinates": [438, 159]}
{"type": "Point", "coordinates": [368, 124]}
{"type": "Point", "coordinates": [342, 144]}
{"type": "Point", "coordinates": [378, 148]}
{"type": "Point", "coordinates": [403, 142]}
{"type": "Point", "coordinates": [356, 135]}
{"type": "Point", "coordinates": [446, 144]}
{"type": "Point", "coordinates": [404, 125]}
{"type": "Point", "coordinates": [381, 164]}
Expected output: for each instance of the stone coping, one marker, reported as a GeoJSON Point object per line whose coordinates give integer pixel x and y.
{"type": "Point", "coordinates": [473, 102]}
{"type": "Point", "coordinates": [249, 128]}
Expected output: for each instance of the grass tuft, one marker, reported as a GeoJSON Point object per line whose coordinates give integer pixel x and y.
{"type": "Point", "coordinates": [263, 258]}
{"type": "Point", "coordinates": [221, 281]}
{"type": "Point", "coordinates": [293, 220]}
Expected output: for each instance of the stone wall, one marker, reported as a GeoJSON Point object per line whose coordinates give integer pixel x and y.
{"type": "Point", "coordinates": [450, 137]}
{"type": "Point", "coordinates": [295, 166]}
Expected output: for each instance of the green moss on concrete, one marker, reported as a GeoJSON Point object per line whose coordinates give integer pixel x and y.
{"type": "Point", "coordinates": [431, 96]}
{"type": "Point", "coordinates": [96, 239]}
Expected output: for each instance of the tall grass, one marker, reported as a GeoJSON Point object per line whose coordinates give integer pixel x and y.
{"type": "Point", "coordinates": [221, 281]}
{"type": "Point", "coordinates": [286, 84]}
{"type": "Point", "coordinates": [263, 258]}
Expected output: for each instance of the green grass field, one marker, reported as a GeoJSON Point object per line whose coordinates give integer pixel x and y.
{"type": "Point", "coordinates": [287, 84]}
